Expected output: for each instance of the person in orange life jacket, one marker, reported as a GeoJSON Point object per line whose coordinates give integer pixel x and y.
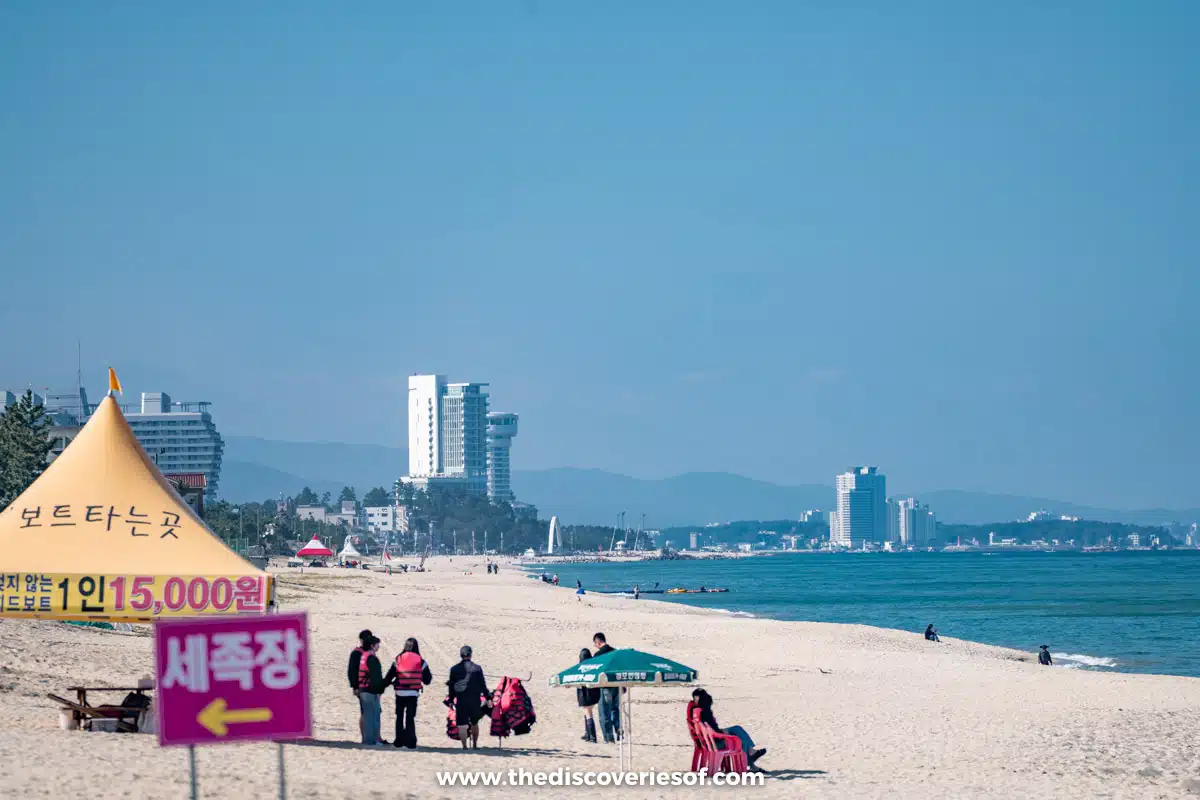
{"type": "Point", "coordinates": [470, 695]}
{"type": "Point", "coordinates": [705, 702]}
{"type": "Point", "coordinates": [610, 699]}
{"type": "Point", "coordinates": [352, 668]}
{"type": "Point", "coordinates": [407, 675]}
{"type": "Point", "coordinates": [366, 678]}
{"type": "Point", "coordinates": [587, 697]}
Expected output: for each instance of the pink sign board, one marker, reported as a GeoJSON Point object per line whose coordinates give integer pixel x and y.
{"type": "Point", "coordinates": [230, 679]}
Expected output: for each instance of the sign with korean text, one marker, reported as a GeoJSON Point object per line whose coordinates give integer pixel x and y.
{"type": "Point", "coordinates": [228, 679]}
{"type": "Point", "coordinates": [132, 597]}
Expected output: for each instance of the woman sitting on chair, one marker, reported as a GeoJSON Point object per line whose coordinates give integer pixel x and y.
{"type": "Point", "coordinates": [704, 702]}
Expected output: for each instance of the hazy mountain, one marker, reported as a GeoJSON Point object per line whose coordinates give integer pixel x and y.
{"type": "Point", "coordinates": [362, 466]}
{"type": "Point", "coordinates": [258, 468]}
{"type": "Point", "coordinates": [596, 497]}
{"type": "Point", "coordinates": [243, 482]}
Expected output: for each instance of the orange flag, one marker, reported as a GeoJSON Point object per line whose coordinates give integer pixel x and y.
{"type": "Point", "coordinates": [114, 385]}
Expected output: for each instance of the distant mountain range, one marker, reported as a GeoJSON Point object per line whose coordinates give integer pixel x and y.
{"type": "Point", "coordinates": [255, 469]}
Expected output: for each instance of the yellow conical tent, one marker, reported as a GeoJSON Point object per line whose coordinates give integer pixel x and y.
{"type": "Point", "coordinates": [102, 535]}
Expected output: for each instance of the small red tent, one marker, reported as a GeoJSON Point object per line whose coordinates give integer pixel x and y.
{"type": "Point", "coordinates": [314, 548]}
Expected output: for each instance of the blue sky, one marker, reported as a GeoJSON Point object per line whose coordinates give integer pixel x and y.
{"type": "Point", "coordinates": [772, 238]}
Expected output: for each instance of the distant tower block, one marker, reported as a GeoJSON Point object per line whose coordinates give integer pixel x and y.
{"type": "Point", "coordinates": [555, 537]}
{"type": "Point", "coordinates": [501, 428]}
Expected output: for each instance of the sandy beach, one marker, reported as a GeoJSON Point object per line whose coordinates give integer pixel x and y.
{"type": "Point", "coordinates": [846, 711]}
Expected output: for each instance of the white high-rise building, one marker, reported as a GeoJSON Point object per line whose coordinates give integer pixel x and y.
{"type": "Point", "coordinates": [862, 508]}
{"type": "Point", "coordinates": [424, 427]}
{"type": "Point", "coordinates": [917, 524]}
{"type": "Point", "coordinates": [501, 428]}
{"type": "Point", "coordinates": [447, 432]}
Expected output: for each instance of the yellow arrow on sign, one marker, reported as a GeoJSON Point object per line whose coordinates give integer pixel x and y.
{"type": "Point", "coordinates": [217, 717]}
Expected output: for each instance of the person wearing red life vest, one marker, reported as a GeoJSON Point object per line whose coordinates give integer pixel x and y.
{"type": "Point", "coordinates": [407, 674]}
{"type": "Point", "coordinates": [366, 679]}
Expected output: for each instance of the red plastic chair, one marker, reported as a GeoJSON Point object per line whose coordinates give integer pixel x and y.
{"type": "Point", "coordinates": [697, 745]}
{"type": "Point", "coordinates": [707, 754]}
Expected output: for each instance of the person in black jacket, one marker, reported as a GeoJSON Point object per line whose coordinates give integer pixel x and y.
{"type": "Point", "coordinates": [402, 675]}
{"type": "Point", "coordinates": [610, 698]}
{"type": "Point", "coordinates": [366, 679]}
{"type": "Point", "coordinates": [470, 695]}
{"type": "Point", "coordinates": [705, 702]}
{"type": "Point", "coordinates": [1044, 657]}
{"type": "Point", "coordinates": [587, 697]}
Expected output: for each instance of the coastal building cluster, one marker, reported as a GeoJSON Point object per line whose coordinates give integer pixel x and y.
{"type": "Point", "coordinates": [181, 438]}
{"type": "Point", "coordinates": [454, 440]}
{"type": "Point", "coordinates": [866, 517]}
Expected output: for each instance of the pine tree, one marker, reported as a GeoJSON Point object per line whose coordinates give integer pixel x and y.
{"type": "Point", "coordinates": [24, 446]}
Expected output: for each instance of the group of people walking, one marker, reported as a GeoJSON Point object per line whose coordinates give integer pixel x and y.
{"type": "Point", "coordinates": [607, 698]}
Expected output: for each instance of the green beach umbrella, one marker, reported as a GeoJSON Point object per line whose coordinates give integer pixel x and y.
{"type": "Point", "coordinates": [625, 669]}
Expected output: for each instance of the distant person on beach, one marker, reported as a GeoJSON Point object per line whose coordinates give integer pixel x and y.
{"type": "Point", "coordinates": [704, 701]}
{"type": "Point", "coordinates": [1044, 657]}
{"type": "Point", "coordinates": [407, 674]}
{"type": "Point", "coordinates": [556, 579]}
{"type": "Point", "coordinates": [587, 697]}
{"type": "Point", "coordinates": [578, 583]}
{"type": "Point", "coordinates": [366, 679]}
{"type": "Point", "coordinates": [930, 634]}
{"type": "Point", "coordinates": [610, 698]}
{"type": "Point", "coordinates": [471, 697]}
{"type": "Point", "coordinates": [636, 592]}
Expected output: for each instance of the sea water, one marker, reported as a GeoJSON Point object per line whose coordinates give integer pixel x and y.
{"type": "Point", "coordinates": [1133, 611]}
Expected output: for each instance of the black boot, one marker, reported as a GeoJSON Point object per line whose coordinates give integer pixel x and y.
{"type": "Point", "coordinates": [589, 730]}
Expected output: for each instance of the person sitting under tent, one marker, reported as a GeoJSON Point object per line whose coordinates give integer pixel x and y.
{"type": "Point", "coordinates": [704, 702]}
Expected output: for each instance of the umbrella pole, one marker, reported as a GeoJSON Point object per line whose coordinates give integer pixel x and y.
{"type": "Point", "coordinates": [629, 725]}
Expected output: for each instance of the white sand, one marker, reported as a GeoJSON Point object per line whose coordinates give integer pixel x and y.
{"type": "Point", "coordinates": [897, 717]}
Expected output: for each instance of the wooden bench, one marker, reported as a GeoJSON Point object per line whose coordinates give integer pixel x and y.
{"type": "Point", "coordinates": [83, 711]}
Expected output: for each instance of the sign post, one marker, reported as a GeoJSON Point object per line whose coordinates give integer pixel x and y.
{"type": "Point", "coordinates": [232, 679]}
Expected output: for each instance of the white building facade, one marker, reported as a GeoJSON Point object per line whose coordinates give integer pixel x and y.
{"type": "Point", "coordinates": [861, 509]}
{"type": "Point", "coordinates": [383, 519]}
{"type": "Point", "coordinates": [447, 433]}
{"type": "Point", "coordinates": [179, 437]}
{"type": "Point", "coordinates": [917, 524]}
{"type": "Point", "coordinates": [501, 428]}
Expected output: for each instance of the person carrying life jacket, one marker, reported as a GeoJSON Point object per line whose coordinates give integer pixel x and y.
{"type": "Point", "coordinates": [407, 674]}
{"type": "Point", "coordinates": [365, 676]}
